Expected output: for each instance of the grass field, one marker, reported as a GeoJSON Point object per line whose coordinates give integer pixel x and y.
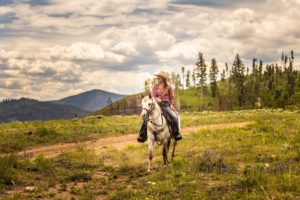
{"type": "Point", "coordinates": [17, 136]}
{"type": "Point", "coordinates": [259, 161]}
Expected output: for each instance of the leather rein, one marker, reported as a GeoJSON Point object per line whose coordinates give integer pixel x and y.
{"type": "Point", "coordinates": [149, 111]}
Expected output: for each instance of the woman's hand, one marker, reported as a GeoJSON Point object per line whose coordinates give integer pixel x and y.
{"type": "Point", "coordinates": [172, 107]}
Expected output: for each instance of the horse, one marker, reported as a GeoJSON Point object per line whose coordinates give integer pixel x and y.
{"type": "Point", "coordinates": [157, 129]}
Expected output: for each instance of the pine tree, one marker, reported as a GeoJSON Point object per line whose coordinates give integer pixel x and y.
{"type": "Point", "coordinates": [194, 77]}
{"type": "Point", "coordinates": [183, 70]}
{"type": "Point", "coordinates": [254, 67]}
{"type": "Point", "coordinates": [291, 76]}
{"type": "Point", "coordinates": [252, 80]}
{"type": "Point", "coordinates": [201, 72]}
{"type": "Point", "coordinates": [187, 81]}
{"type": "Point", "coordinates": [227, 70]}
{"type": "Point", "coordinates": [213, 77]}
{"type": "Point", "coordinates": [238, 78]}
{"type": "Point", "coordinates": [223, 74]}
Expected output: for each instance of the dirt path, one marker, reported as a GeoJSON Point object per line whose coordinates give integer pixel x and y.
{"type": "Point", "coordinates": [118, 142]}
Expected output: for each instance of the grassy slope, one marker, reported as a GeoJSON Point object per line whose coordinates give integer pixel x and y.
{"type": "Point", "coordinates": [260, 161]}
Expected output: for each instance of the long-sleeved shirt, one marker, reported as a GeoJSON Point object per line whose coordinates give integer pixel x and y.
{"type": "Point", "coordinates": [158, 93]}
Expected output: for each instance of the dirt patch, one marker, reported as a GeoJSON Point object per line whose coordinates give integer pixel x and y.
{"type": "Point", "coordinates": [118, 142]}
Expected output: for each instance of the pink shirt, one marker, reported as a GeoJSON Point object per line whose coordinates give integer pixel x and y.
{"type": "Point", "coordinates": [157, 92]}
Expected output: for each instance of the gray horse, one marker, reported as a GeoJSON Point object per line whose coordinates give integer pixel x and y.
{"type": "Point", "coordinates": [157, 129]}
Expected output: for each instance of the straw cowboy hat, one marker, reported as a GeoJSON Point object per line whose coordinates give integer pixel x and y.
{"type": "Point", "coordinates": [164, 75]}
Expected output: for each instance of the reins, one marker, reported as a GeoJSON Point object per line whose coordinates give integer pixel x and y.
{"type": "Point", "coordinates": [149, 111]}
{"type": "Point", "coordinates": [151, 120]}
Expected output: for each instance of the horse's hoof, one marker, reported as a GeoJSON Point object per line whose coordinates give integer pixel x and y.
{"type": "Point", "coordinates": [165, 165]}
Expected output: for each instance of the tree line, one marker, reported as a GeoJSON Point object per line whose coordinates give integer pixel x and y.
{"type": "Point", "coordinates": [274, 85]}
{"type": "Point", "coordinates": [206, 87]}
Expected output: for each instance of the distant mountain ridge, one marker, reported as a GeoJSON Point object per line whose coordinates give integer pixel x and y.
{"type": "Point", "coordinates": [92, 100]}
{"type": "Point", "coordinates": [29, 109]}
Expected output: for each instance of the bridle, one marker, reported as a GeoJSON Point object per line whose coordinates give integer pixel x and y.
{"type": "Point", "coordinates": [149, 111]}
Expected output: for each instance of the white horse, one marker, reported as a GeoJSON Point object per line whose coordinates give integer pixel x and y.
{"type": "Point", "coordinates": [157, 129]}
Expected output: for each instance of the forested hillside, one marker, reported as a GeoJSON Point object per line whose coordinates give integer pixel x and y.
{"type": "Point", "coordinates": [261, 85]}
{"type": "Point", "coordinates": [237, 86]}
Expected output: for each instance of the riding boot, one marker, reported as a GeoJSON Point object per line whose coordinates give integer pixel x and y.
{"type": "Point", "coordinates": [143, 133]}
{"type": "Point", "coordinates": [176, 134]}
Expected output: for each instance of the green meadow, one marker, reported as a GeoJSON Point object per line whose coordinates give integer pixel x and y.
{"type": "Point", "coordinates": [258, 161]}
{"type": "Point", "coordinates": [17, 136]}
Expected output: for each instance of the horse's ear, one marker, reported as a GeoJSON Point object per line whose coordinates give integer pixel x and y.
{"type": "Point", "coordinates": [142, 95]}
{"type": "Point", "coordinates": [150, 96]}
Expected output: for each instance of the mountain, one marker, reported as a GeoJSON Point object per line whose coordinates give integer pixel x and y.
{"type": "Point", "coordinates": [29, 109]}
{"type": "Point", "coordinates": [128, 105]}
{"type": "Point", "coordinates": [91, 100]}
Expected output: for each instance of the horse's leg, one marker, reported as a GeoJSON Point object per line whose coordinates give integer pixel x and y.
{"type": "Point", "coordinates": [168, 147]}
{"type": "Point", "coordinates": [173, 151]}
{"type": "Point", "coordinates": [150, 147]}
{"type": "Point", "coordinates": [169, 142]}
{"type": "Point", "coordinates": [165, 153]}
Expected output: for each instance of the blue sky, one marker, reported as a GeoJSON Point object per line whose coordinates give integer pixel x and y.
{"type": "Point", "coordinates": [50, 49]}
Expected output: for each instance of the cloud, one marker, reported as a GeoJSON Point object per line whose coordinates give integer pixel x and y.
{"type": "Point", "coordinates": [10, 83]}
{"type": "Point", "coordinates": [63, 47]}
{"type": "Point", "coordinates": [218, 3]}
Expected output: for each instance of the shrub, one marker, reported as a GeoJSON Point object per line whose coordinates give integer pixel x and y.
{"type": "Point", "coordinates": [44, 132]}
{"type": "Point", "coordinates": [253, 177]}
{"type": "Point", "coordinates": [208, 162]}
{"type": "Point", "coordinates": [44, 165]}
{"type": "Point", "coordinates": [79, 175]}
{"type": "Point", "coordinates": [8, 164]}
{"type": "Point", "coordinates": [123, 194]}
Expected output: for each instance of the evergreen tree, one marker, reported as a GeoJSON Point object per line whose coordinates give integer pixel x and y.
{"type": "Point", "coordinates": [188, 82]}
{"type": "Point", "coordinates": [291, 77]}
{"type": "Point", "coordinates": [238, 78]}
{"type": "Point", "coordinates": [201, 72]}
{"type": "Point", "coordinates": [223, 74]}
{"type": "Point", "coordinates": [183, 70]}
{"type": "Point", "coordinates": [213, 77]}
{"type": "Point", "coordinates": [194, 77]}
{"type": "Point", "coordinates": [226, 67]}
{"type": "Point", "coordinates": [254, 67]}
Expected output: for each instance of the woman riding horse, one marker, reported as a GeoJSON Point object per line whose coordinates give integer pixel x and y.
{"type": "Point", "coordinates": [163, 93]}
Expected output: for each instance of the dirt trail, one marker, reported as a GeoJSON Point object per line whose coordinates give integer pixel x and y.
{"type": "Point", "coordinates": [117, 142]}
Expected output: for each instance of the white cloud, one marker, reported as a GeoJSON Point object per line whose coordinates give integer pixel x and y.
{"type": "Point", "coordinates": [80, 45]}
{"type": "Point", "coordinates": [5, 10]}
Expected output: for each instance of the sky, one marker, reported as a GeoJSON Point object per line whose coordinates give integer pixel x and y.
{"type": "Point", "coordinates": [50, 49]}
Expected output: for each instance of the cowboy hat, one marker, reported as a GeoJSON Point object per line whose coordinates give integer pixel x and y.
{"type": "Point", "coordinates": [164, 75]}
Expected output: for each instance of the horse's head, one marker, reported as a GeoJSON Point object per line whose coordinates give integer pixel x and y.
{"type": "Point", "coordinates": [148, 105]}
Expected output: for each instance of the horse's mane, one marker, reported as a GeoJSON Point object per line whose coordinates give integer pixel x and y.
{"type": "Point", "coordinates": [156, 104]}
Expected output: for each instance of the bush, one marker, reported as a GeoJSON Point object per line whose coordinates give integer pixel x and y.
{"type": "Point", "coordinates": [209, 162]}
{"type": "Point", "coordinates": [80, 175]}
{"type": "Point", "coordinates": [44, 165]}
{"type": "Point", "coordinates": [253, 177]}
{"type": "Point", "coordinates": [8, 164]}
{"type": "Point", "coordinates": [123, 194]}
{"type": "Point", "coordinates": [43, 132]}
{"type": "Point", "coordinates": [79, 159]}
{"type": "Point", "coordinates": [291, 107]}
